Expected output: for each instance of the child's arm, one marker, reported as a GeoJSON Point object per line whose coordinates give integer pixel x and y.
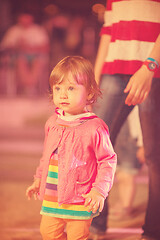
{"type": "Point", "coordinates": [94, 200]}
{"type": "Point", "coordinates": [33, 190]}
{"type": "Point", "coordinates": [106, 166]}
{"type": "Point", "coordinates": [106, 161]}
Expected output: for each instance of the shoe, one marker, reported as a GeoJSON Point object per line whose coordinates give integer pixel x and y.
{"type": "Point", "coordinates": [121, 213]}
{"type": "Point", "coordinates": [144, 237]}
{"type": "Point", "coordinates": [96, 231]}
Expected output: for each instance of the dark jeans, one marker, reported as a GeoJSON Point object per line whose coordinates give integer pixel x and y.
{"type": "Point", "coordinates": [112, 109]}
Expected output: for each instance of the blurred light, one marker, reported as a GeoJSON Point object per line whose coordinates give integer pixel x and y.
{"type": "Point", "coordinates": [51, 10]}
{"type": "Point", "coordinates": [99, 10]}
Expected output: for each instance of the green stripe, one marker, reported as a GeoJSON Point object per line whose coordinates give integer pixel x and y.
{"type": "Point", "coordinates": [68, 217]}
{"type": "Point", "coordinates": [52, 174]}
{"type": "Point", "coordinates": [52, 180]}
{"type": "Point", "coordinates": [66, 212]}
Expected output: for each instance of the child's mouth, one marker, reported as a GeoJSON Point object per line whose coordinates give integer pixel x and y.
{"type": "Point", "coordinates": [64, 103]}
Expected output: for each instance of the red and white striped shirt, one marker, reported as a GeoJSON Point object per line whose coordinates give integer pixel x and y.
{"type": "Point", "coordinates": [134, 26]}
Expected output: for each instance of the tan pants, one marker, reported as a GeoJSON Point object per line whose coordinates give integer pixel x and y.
{"type": "Point", "coordinates": [53, 228]}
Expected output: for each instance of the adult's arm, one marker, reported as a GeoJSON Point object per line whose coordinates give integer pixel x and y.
{"type": "Point", "coordinates": [101, 55]}
{"type": "Point", "coordinates": [139, 84]}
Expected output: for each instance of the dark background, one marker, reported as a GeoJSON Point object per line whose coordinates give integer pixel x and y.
{"type": "Point", "coordinates": [9, 9]}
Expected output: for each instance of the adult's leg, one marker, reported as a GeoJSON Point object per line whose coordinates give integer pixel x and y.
{"type": "Point", "coordinates": [111, 106]}
{"type": "Point", "coordinates": [150, 121]}
{"type": "Point", "coordinates": [127, 168]}
{"type": "Point", "coordinates": [112, 109]}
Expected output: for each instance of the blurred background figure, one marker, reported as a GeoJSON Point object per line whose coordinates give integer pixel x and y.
{"type": "Point", "coordinates": [71, 34]}
{"type": "Point", "coordinates": [74, 35]}
{"type": "Point", "coordinates": [56, 25]}
{"type": "Point", "coordinates": [26, 49]}
{"type": "Point", "coordinates": [37, 35]}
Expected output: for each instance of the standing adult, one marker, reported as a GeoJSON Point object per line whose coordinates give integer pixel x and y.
{"type": "Point", "coordinates": [127, 68]}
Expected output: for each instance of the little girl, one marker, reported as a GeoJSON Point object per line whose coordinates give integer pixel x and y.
{"type": "Point", "coordinates": [78, 164]}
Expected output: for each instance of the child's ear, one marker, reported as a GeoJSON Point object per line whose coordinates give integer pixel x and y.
{"type": "Point", "coordinates": [89, 97]}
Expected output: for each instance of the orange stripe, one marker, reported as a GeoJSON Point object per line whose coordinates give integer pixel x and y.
{"type": "Point", "coordinates": [54, 162]}
{"type": "Point", "coordinates": [51, 198]}
{"type": "Point", "coordinates": [62, 125]}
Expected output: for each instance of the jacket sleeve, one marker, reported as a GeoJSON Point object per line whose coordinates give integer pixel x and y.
{"type": "Point", "coordinates": [106, 161]}
{"type": "Point", "coordinates": [41, 163]}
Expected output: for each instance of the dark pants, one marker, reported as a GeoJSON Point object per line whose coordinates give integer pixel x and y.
{"type": "Point", "coordinates": [112, 109]}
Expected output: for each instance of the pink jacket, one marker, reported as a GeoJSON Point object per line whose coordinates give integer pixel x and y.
{"type": "Point", "coordinates": [86, 158]}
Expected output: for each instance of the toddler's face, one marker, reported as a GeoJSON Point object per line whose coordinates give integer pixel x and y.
{"type": "Point", "coordinates": [70, 96]}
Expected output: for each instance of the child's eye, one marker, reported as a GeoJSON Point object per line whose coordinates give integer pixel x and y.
{"type": "Point", "coordinates": [57, 88]}
{"type": "Point", "coordinates": [71, 88]}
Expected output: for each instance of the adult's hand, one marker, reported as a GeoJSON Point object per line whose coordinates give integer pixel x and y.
{"type": "Point", "coordinates": [139, 86]}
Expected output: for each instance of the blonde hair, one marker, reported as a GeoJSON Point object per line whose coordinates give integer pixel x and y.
{"type": "Point", "coordinates": [81, 70]}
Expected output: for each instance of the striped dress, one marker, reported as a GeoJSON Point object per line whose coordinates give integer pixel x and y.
{"type": "Point", "coordinates": [50, 206]}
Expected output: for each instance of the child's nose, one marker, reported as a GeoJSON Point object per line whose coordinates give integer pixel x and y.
{"type": "Point", "coordinates": [63, 94]}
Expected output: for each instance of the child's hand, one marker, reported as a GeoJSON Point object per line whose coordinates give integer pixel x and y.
{"type": "Point", "coordinates": [94, 200]}
{"type": "Point", "coordinates": [33, 189]}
